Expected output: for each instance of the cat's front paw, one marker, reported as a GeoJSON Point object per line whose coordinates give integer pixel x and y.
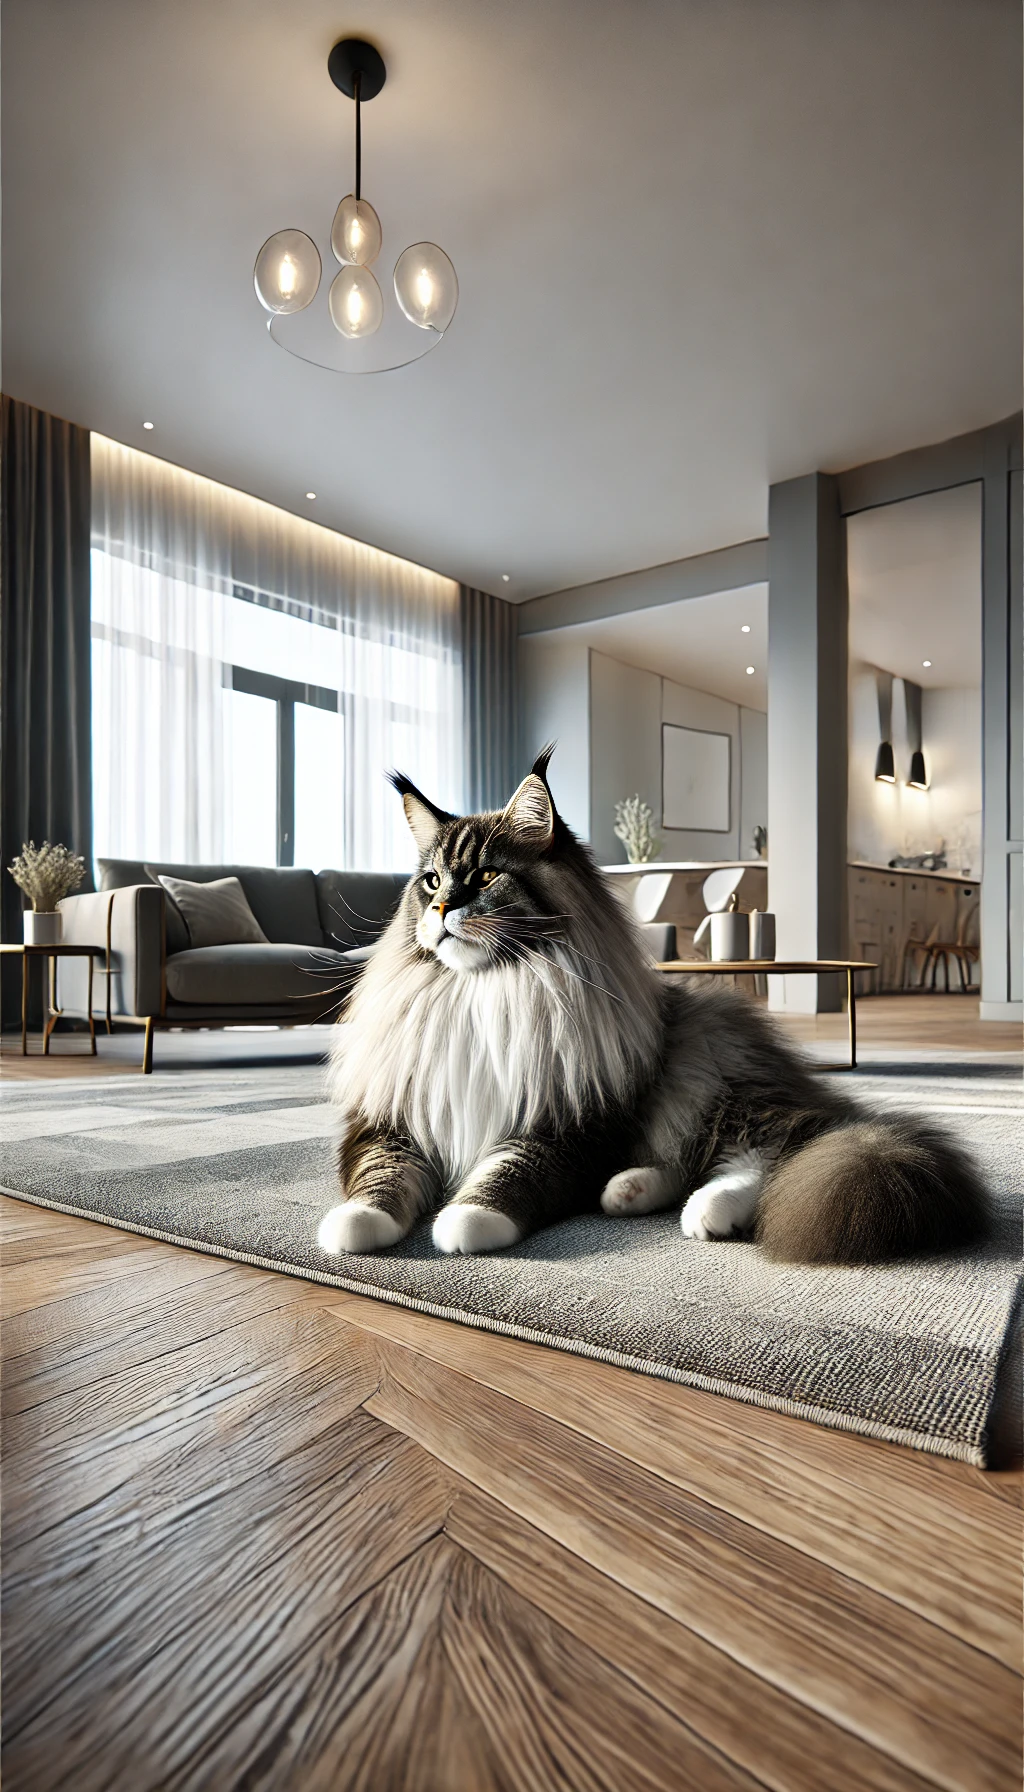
{"type": "Point", "coordinates": [463, 1229]}
{"type": "Point", "coordinates": [354, 1226]}
{"type": "Point", "coordinates": [643, 1190]}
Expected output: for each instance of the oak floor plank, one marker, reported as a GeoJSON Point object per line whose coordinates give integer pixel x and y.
{"type": "Point", "coordinates": [116, 1337]}
{"type": "Point", "coordinates": [43, 1283]}
{"type": "Point", "coordinates": [81, 1319]}
{"type": "Point", "coordinates": [785, 1746]}
{"type": "Point", "coordinates": [149, 1655]}
{"type": "Point", "coordinates": [900, 1683]}
{"type": "Point", "coordinates": [67, 1459]}
{"type": "Point", "coordinates": [941, 1546]}
{"type": "Point", "coordinates": [441, 1654]}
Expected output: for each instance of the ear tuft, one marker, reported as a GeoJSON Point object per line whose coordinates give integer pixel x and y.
{"type": "Point", "coordinates": [543, 760]}
{"type": "Point", "coordinates": [529, 815]}
{"type": "Point", "coordinates": [424, 819]}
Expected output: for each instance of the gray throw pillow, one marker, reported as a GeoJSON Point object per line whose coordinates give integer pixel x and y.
{"type": "Point", "coordinates": [215, 914]}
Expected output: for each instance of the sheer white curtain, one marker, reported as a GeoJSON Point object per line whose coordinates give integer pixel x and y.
{"type": "Point", "coordinates": [222, 625]}
{"type": "Point", "coordinates": [160, 569]}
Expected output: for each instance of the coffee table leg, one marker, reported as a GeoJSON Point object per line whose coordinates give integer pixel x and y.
{"type": "Point", "coordinates": [851, 1009]}
{"type": "Point", "coordinates": [50, 992]}
{"type": "Point", "coordinates": [24, 1004]}
{"type": "Point", "coordinates": [92, 1023]}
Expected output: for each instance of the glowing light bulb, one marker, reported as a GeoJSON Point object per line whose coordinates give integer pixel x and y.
{"type": "Point", "coordinates": [355, 233]}
{"type": "Point", "coordinates": [745, 628]}
{"type": "Point", "coordinates": [287, 272]}
{"type": "Point", "coordinates": [426, 286]}
{"type": "Point", "coordinates": [750, 671]}
{"type": "Point", "coordinates": [355, 302]}
{"type": "Point", "coordinates": [926, 662]}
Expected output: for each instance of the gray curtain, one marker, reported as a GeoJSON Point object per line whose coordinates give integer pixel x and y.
{"type": "Point", "coordinates": [45, 654]}
{"type": "Point", "coordinates": [488, 637]}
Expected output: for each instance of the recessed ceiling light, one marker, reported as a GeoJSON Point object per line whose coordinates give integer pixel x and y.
{"type": "Point", "coordinates": [147, 426]}
{"type": "Point", "coordinates": [311, 494]}
{"type": "Point", "coordinates": [926, 662]}
{"type": "Point", "coordinates": [750, 671]}
{"type": "Point", "coordinates": [745, 630]}
{"type": "Point", "coordinates": [506, 576]}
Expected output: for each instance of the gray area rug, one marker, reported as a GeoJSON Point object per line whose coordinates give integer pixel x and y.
{"type": "Point", "coordinates": [239, 1162]}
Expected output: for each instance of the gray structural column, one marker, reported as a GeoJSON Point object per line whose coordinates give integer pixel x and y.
{"type": "Point", "coordinates": [807, 733]}
{"type": "Point", "coordinates": [1001, 681]}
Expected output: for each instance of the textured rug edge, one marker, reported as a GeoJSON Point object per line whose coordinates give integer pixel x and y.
{"type": "Point", "coordinates": [975, 1455]}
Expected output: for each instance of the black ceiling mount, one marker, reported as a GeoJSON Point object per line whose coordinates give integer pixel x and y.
{"type": "Point", "coordinates": [350, 57]}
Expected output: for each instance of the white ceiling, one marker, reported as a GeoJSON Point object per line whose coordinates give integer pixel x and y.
{"type": "Point", "coordinates": [697, 642]}
{"type": "Point", "coordinates": [701, 248]}
{"type": "Point", "coordinates": [915, 587]}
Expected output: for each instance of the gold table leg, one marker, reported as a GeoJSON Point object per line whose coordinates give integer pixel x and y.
{"type": "Point", "coordinates": [851, 1010]}
{"type": "Point", "coordinates": [24, 1004]}
{"type": "Point", "coordinates": [53, 1012]}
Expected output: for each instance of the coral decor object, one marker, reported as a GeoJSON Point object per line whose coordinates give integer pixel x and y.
{"type": "Point", "coordinates": [634, 827]}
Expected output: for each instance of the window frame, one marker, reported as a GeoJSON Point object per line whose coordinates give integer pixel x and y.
{"type": "Point", "coordinates": [285, 693]}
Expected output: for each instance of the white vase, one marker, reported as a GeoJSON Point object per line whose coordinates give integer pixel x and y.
{"type": "Point", "coordinates": [43, 929]}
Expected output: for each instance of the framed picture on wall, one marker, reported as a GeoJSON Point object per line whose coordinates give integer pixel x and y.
{"type": "Point", "coordinates": [696, 779]}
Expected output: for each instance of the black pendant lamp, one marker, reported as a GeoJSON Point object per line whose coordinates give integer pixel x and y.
{"type": "Point", "coordinates": [885, 765]}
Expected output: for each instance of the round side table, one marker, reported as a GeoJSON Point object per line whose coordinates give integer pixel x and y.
{"type": "Point", "coordinates": [53, 1013]}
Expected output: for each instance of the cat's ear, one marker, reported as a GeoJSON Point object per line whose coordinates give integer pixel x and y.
{"type": "Point", "coordinates": [529, 815]}
{"type": "Point", "coordinates": [425, 821]}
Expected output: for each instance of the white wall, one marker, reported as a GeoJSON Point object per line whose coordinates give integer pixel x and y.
{"type": "Point", "coordinates": [753, 778]}
{"type": "Point", "coordinates": [887, 821]}
{"type": "Point", "coordinates": [606, 718]}
{"type": "Point", "coordinates": [627, 709]}
{"type": "Point", "coordinates": [554, 704]}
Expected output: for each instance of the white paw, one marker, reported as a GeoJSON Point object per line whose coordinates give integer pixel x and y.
{"type": "Point", "coordinates": [463, 1228]}
{"type": "Point", "coordinates": [722, 1207]}
{"type": "Point", "coordinates": [639, 1191]}
{"type": "Point", "coordinates": [356, 1227]}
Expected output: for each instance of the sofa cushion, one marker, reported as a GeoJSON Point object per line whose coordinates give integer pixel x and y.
{"type": "Point", "coordinates": [282, 897]}
{"type": "Point", "coordinates": [355, 906]}
{"type": "Point", "coordinates": [253, 975]}
{"type": "Point", "coordinates": [216, 913]}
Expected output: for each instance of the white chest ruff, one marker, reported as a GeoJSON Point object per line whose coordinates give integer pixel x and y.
{"type": "Point", "coordinates": [463, 1063]}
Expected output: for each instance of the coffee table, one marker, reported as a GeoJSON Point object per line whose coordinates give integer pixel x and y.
{"type": "Point", "coordinates": [768, 967]}
{"type": "Point", "coordinates": [52, 952]}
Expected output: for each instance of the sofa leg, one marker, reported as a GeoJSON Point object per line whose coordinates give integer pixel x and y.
{"type": "Point", "coordinates": [147, 1049]}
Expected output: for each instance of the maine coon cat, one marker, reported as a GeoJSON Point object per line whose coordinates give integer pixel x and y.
{"type": "Point", "coordinates": [511, 1058]}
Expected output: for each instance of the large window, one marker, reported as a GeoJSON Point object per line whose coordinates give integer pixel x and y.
{"type": "Point", "coordinates": [254, 676]}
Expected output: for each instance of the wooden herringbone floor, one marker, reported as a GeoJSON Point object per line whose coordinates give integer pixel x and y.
{"type": "Point", "coordinates": [262, 1535]}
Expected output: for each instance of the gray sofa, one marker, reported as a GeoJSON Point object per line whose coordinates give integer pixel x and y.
{"type": "Point", "coordinates": [320, 926]}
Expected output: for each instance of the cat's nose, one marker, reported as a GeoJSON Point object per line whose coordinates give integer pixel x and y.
{"type": "Point", "coordinates": [440, 908]}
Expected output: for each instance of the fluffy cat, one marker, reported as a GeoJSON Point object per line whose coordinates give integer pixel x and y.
{"type": "Point", "coordinates": [512, 1058]}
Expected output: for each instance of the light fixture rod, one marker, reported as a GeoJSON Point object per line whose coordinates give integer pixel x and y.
{"type": "Point", "coordinates": [357, 81]}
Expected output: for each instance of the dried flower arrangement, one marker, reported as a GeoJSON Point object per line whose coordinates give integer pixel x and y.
{"type": "Point", "coordinates": [634, 827]}
{"type": "Point", "coordinates": [47, 873]}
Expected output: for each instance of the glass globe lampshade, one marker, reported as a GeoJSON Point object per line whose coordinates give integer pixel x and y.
{"type": "Point", "coordinates": [426, 286]}
{"type": "Point", "coordinates": [356, 303]}
{"type": "Point", "coordinates": [355, 233]}
{"type": "Point", "coordinates": [287, 272]}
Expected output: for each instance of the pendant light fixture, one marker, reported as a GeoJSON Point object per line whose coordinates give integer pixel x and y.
{"type": "Point", "coordinates": [885, 765]}
{"type": "Point", "coordinates": [358, 331]}
{"type": "Point", "coordinates": [918, 779]}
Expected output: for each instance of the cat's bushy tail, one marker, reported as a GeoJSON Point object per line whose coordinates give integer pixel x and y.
{"type": "Point", "coordinates": [870, 1191]}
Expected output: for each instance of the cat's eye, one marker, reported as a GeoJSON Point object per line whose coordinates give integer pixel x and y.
{"type": "Point", "coordinates": [432, 881]}
{"type": "Point", "coordinates": [487, 877]}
